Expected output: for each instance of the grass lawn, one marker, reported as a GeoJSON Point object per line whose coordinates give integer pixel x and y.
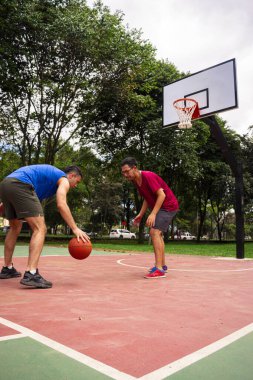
{"type": "Point", "coordinates": [186, 248]}
{"type": "Point", "coordinates": [225, 249]}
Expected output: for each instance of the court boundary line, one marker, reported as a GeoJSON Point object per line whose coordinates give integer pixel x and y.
{"type": "Point", "coordinates": [73, 354]}
{"type": "Point", "coordinates": [158, 374]}
{"type": "Point", "coordinates": [188, 270]}
{"type": "Point", "coordinates": [196, 356]}
{"type": "Point", "coordinates": [10, 337]}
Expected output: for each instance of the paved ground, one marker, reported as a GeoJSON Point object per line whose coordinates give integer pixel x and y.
{"type": "Point", "coordinates": [106, 318]}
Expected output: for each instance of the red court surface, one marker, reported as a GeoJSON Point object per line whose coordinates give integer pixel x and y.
{"type": "Point", "coordinates": [104, 308]}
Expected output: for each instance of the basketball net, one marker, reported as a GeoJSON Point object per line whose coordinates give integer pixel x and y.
{"type": "Point", "coordinates": [187, 109]}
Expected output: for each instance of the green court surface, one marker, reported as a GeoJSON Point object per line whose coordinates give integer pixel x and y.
{"type": "Point", "coordinates": [22, 251]}
{"type": "Point", "coordinates": [35, 361]}
{"type": "Point", "coordinates": [233, 362]}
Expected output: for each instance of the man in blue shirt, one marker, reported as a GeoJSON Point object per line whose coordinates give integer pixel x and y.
{"type": "Point", "coordinates": [21, 193]}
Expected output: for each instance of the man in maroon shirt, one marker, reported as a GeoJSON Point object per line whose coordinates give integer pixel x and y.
{"type": "Point", "coordinates": [163, 205]}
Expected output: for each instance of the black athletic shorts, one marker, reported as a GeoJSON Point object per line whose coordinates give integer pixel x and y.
{"type": "Point", "coordinates": [19, 199]}
{"type": "Point", "coordinates": [163, 219]}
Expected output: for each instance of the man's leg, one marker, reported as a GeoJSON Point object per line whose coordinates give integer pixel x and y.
{"type": "Point", "coordinates": [32, 277]}
{"type": "Point", "coordinates": [10, 240]}
{"type": "Point", "coordinates": [158, 244]}
{"type": "Point", "coordinates": [8, 271]}
{"type": "Point", "coordinates": [38, 227]}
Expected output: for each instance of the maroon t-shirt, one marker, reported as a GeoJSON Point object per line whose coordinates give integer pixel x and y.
{"type": "Point", "coordinates": [151, 182]}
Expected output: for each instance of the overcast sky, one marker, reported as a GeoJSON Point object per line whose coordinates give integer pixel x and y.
{"type": "Point", "coordinates": [197, 34]}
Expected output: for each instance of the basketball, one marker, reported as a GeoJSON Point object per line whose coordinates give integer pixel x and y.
{"type": "Point", "coordinates": [78, 249]}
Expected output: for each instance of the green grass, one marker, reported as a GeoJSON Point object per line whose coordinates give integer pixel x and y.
{"type": "Point", "coordinates": [187, 248]}
{"type": "Point", "coordinates": [225, 249]}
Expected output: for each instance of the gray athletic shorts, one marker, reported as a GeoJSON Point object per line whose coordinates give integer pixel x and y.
{"type": "Point", "coordinates": [19, 199]}
{"type": "Point", "coordinates": [163, 219]}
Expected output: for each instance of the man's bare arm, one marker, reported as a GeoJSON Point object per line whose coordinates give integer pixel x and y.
{"type": "Point", "coordinates": [61, 201]}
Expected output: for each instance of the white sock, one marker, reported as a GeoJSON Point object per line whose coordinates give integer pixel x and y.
{"type": "Point", "coordinates": [32, 271]}
{"type": "Point", "coordinates": [10, 266]}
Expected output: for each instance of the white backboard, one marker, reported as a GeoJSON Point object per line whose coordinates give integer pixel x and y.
{"type": "Point", "coordinates": [215, 90]}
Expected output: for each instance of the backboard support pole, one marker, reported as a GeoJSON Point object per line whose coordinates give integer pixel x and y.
{"type": "Point", "coordinates": [236, 168]}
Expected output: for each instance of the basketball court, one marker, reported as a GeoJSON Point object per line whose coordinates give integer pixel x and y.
{"type": "Point", "coordinates": [103, 320]}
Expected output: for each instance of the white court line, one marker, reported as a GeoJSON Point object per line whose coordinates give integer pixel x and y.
{"type": "Point", "coordinates": [159, 374]}
{"type": "Point", "coordinates": [9, 337]}
{"type": "Point", "coordinates": [188, 270]}
{"type": "Point", "coordinates": [230, 258]}
{"type": "Point", "coordinates": [84, 359]}
{"type": "Point", "coordinates": [178, 365]}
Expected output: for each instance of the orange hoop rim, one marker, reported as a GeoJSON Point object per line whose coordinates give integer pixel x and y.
{"type": "Point", "coordinates": [183, 100]}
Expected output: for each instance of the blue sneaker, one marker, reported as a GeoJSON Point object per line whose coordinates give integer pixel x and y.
{"type": "Point", "coordinates": [165, 269]}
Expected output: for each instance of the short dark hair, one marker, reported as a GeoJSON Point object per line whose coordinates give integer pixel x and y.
{"type": "Point", "coordinates": [130, 161]}
{"type": "Point", "coordinates": [73, 169]}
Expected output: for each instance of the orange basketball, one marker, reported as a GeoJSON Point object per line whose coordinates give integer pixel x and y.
{"type": "Point", "coordinates": [78, 249]}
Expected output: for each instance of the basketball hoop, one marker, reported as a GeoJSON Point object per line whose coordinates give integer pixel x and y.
{"type": "Point", "coordinates": [187, 109]}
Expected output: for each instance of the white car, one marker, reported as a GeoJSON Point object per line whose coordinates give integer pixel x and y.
{"type": "Point", "coordinates": [122, 234]}
{"type": "Point", "coordinates": [185, 236]}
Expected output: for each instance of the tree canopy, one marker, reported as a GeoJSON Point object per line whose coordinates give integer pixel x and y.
{"type": "Point", "coordinates": [77, 86]}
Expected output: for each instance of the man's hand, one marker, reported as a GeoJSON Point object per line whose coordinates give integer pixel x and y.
{"type": "Point", "coordinates": [137, 220]}
{"type": "Point", "coordinates": [81, 235]}
{"type": "Point", "coordinates": [150, 222]}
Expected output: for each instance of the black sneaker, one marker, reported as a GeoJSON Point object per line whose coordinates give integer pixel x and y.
{"type": "Point", "coordinates": [35, 280]}
{"type": "Point", "coordinates": [9, 273]}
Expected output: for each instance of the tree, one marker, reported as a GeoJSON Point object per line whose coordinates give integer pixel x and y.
{"type": "Point", "coordinates": [57, 59]}
{"type": "Point", "coordinates": [106, 205]}
{"type": "Point", "coordinates": [130, 117]}
{"type": "Point", "coordinates": [127, 109]}
{"type": "Point", "coordinates": [221, 200]}
{"type": "Point", "coordinates": [79, 198]}
{"type": "Point", "coordinates": [210, 167]}
{"type": "Point", "coordinates": [247, 152]}
{"type": "Point", "coordinates": [8, 161]}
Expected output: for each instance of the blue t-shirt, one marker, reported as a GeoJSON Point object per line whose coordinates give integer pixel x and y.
{"type": "Point", "coordinates": [43, 178]}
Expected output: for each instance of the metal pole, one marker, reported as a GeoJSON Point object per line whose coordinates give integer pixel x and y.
{"type": "Point", "coordinates": [239, 213]}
